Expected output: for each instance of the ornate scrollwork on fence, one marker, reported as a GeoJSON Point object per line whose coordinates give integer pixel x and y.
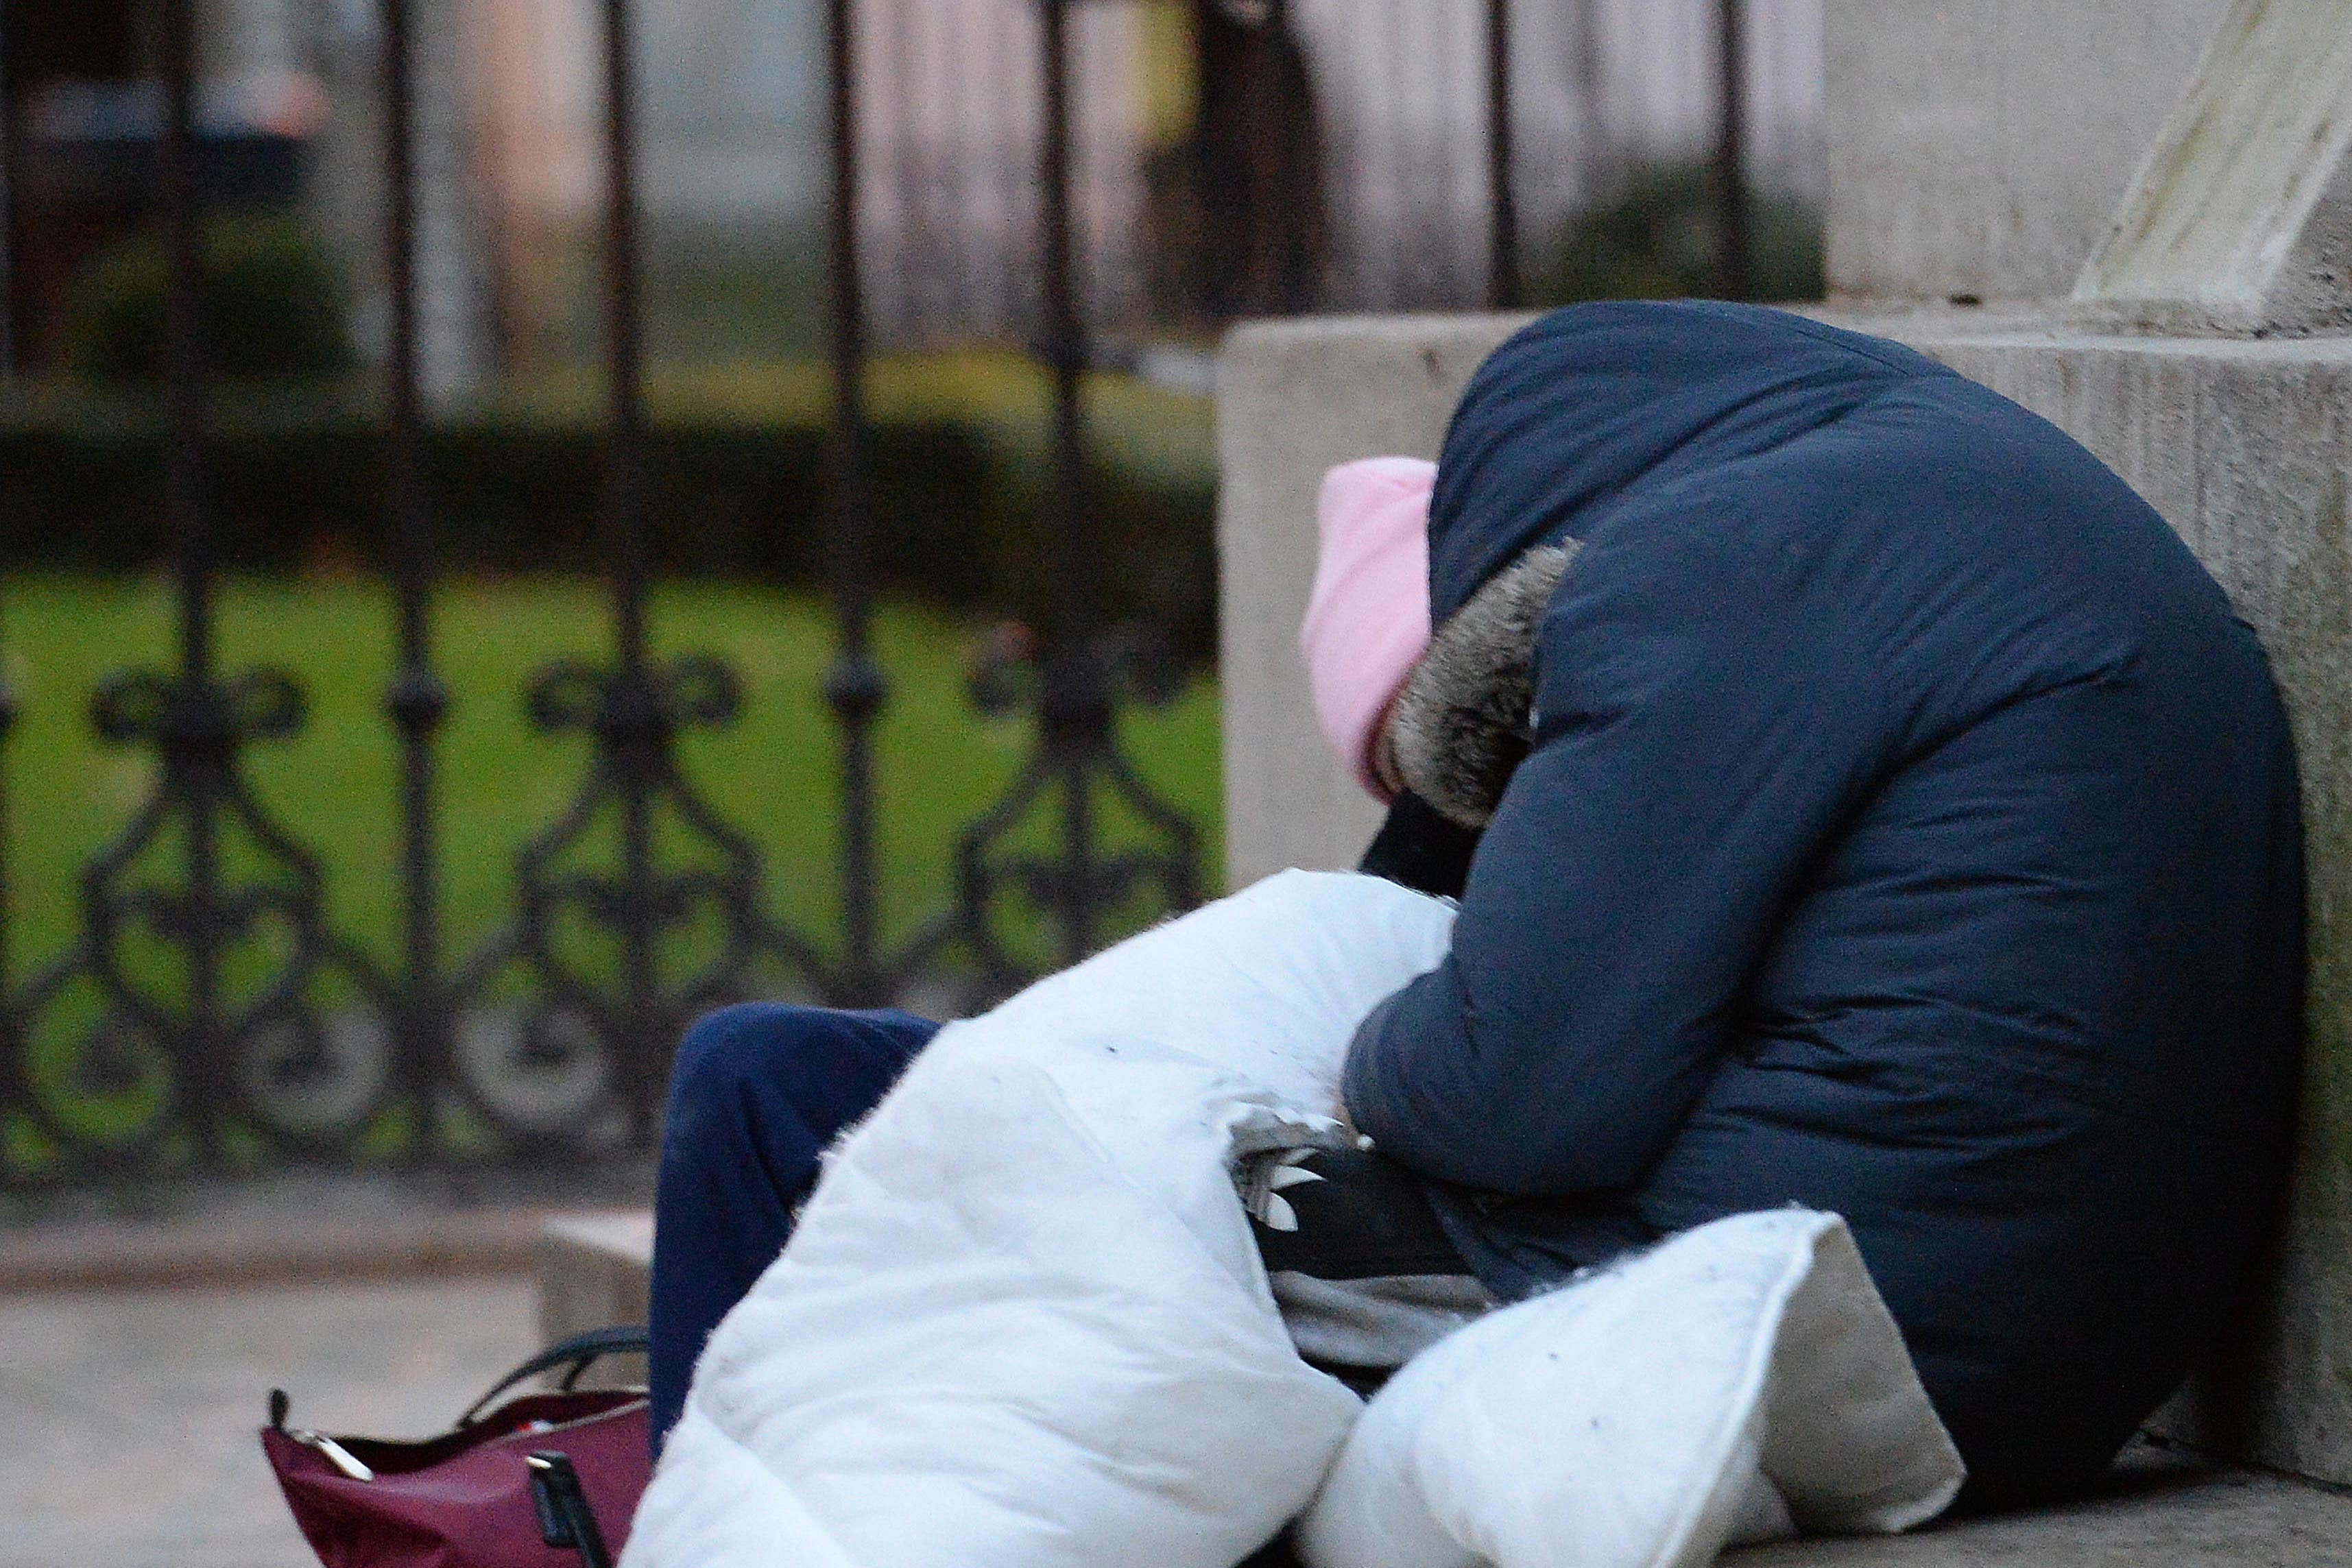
{"type": "Point", "coordinates": [609, 903]}
{"type": "Point", "coordinates": [207, 1013]}
{"type": "Point", "coordinates": [207, 1016]}
{"type": "Point", "coordinates": [1079, 842]}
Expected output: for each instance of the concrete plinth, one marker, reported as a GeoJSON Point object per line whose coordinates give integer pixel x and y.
{"type": "Point", "coordinates": [2158, 1509]}
{"type": "Point", "coordinates": [1293, 398]}
{"type": "Point", "coordinates": [595, 1271]}
{"type": "Point", "coordinates": [1980, 146]}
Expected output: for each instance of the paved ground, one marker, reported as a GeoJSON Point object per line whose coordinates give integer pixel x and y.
{"type": "Point", "coordinates": [128, 1417]}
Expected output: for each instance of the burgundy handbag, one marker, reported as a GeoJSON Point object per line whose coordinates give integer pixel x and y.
{"type": "Point", "coordinates": [544, 1480]}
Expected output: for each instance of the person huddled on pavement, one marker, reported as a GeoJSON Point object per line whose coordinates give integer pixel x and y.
{"type": "Point", "coordinates": [1856, 798]}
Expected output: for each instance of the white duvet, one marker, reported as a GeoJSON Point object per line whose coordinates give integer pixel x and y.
{"type": "Point", "coordinates": [1022, 1324]}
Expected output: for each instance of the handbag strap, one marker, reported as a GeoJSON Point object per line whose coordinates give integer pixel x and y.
{"type": "Point", "coordinates": [575, 1354]}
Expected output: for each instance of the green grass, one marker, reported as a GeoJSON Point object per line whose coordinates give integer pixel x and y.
{"type": "Point", "coordinates": [333, 787]}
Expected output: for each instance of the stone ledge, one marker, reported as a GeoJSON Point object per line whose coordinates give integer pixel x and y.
{"type": "Point", "coordinates": [252, 1250]}
{"type": "Point", "coordinates": [1293, 398]}
{"type": "Point", "coordinates": [2162, 1508]}
{"type": "Point", "coordinates": [2159, 1508]}
{"type": "Point", "coordinates": [305, 1223]}
{"type": "Point", "coordinates": [594, 1272]}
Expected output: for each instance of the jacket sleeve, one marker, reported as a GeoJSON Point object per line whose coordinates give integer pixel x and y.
{"type": "Point", "coordinates": [1703, 725]}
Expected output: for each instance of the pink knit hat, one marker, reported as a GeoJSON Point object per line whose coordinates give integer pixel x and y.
{"type": "Point", "coordinates": [1368, 618]}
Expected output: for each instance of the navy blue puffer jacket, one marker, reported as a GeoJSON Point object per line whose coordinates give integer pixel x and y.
{"type": "Point", "coordinates": [1911, 832]}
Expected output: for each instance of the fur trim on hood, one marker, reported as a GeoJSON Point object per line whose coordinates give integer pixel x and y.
{"type": "Point", "coordinates": [1464, 723]}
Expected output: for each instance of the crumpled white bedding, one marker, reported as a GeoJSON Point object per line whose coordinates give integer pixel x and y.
{"type": "Point", "coordinates": [1022, 1322]}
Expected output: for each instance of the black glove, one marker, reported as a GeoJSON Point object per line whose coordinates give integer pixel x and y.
{"type": "Point", "coordinates": [1420, 849]}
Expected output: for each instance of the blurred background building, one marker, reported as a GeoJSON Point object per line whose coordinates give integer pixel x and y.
{"type": "Point", "coordinates": [1233, 156]}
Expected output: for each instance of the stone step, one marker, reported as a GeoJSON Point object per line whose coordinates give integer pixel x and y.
{"type": "Point", "coordinates": [2161, 1507]}
{"type": "Point", "coordinates": [593, 1272]}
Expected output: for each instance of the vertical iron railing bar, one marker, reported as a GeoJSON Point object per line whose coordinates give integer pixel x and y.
{"type": "Point", "coordinates": [1770, 123]}
{"type": "Point", "coordinates": [184, 500]}
{"type": "Point", "coordinates": [632, 711]}
{"type": "Point", "coordinates": [1015, 183]}
{"type": "Point", "coordinates": [417, 699]}
{"type": "Point", "coordinates": [1406, 272]}
{"type": "Point", "coordinates": [1265, 264]}
{"type": "Point", "coordinates": [1072, 884]}
{"type": "Point", "coordinates": [1457, 266]}
{"type": "Point", "coordinates": [1594, 151]}
{"type": "Point", "coordinates": [855, 687]}
{"type": "Point", "coordinates": [12, 186]}
{"type": "Point", "coordinates": [1076, 588]}
{"type": "Point", "coordinates": [1503, 236]}
{"type": "Point", "coordinates": [643, 725]}
{"type": "Point", "coordinates": [1074, 705]}
{"type": "Point", "coordinates": [7, 907]}
{"type": "Point", "coordinates": [624, 340]}
{"type": "Point", "coordinates": [12, 1044]}
{"type": "Point", "coordinates": [1695, 34]}
{"type": "Point", "coordinates": [902, 293]}
{"type": "Point", "coordinates": [1734, 277]}
{"type": "Point", "coordinates": [10, 189]}
{"type": "Point", "coordinates": [187, 511]}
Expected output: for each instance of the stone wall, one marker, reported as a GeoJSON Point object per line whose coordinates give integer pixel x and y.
{"type": "Point", "coordinates": [1979, 147]}
{"type": "Point", "coordinates": [1293, 398]}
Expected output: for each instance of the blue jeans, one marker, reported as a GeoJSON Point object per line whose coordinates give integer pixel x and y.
{"type": "Point", "coordinates": [757, 1093]}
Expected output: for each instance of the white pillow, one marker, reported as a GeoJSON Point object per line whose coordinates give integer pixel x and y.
{"type": "Point", "coordinates": [1022, 1322]}
{"type": "Point", "coordinates": [1735, 1383]}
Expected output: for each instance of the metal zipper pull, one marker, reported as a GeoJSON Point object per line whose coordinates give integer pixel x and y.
{"type": "Point", "coordinates": [334, 1453]}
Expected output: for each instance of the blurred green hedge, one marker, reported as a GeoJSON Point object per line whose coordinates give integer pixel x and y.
{"type": "Point", "coordinates": [1655, 238]}
{"type": "Point", "coordinates": [274, 305]}
{"type": "Point", "coordinates": [736, 461]}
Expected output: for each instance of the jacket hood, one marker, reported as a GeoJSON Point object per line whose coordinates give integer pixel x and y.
{"type": "Point", "coordinates": [1591, 405]}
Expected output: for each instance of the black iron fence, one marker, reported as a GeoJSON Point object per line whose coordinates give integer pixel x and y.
{"type": "Point", "coordinates": [207, 984]}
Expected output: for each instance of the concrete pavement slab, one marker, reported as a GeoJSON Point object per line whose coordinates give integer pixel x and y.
{"type": "Point", "coordinates": [128, 1418]}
